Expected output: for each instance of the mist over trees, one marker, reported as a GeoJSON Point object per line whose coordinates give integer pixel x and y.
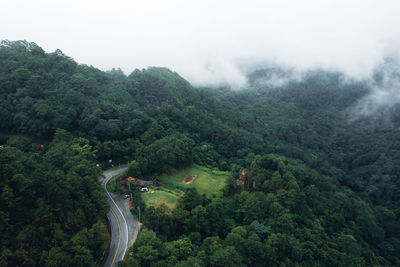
{"type": "Point", "coordinates": [320, 187]}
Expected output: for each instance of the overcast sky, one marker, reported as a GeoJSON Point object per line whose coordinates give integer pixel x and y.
{"type": "Point", "coordinates": [204, 40]}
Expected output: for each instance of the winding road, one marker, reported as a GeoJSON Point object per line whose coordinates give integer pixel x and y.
{"type": "Point", "coordinates": [124, 226]}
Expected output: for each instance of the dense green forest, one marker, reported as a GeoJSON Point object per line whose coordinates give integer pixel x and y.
{"type": "Point", "coordinates": [52, 206]}
{"type": "Point", "coordinates": [310, 184]}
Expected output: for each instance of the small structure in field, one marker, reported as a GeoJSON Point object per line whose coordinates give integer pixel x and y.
{"type": "Point", "coordinates": [189, 179]}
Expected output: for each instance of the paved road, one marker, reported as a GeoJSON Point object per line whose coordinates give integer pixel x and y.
{"type": "Point", "coordinates": [124, 227]}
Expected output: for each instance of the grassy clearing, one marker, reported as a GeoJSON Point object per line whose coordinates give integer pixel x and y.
{"type": "Point", "coordinates": [208, 182]}
{"type": "Point", "coordinates": [158, 197]}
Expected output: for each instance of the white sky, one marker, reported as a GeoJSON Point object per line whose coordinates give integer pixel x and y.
{"type": "Point", "coordinates": [205, 40]}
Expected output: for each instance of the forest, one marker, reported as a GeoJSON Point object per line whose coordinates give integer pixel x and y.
{"type": "Point", "coordinates": [311, 183]}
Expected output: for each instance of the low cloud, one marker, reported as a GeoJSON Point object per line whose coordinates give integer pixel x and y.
{"type": "Point", "coordinates": [385, 91]}
{"type": "Point", "coordinates": [208, 41]}
{"type": "Point", "coordinates": [212, 43]}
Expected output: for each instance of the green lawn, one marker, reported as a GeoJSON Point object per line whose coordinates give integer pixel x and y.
{"type": "Point", "coordinates": [158, 197]}
{"type": "Point", "coordinates": [208, 182]}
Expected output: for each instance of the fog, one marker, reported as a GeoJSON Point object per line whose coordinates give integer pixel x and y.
{"type": "Point", "coordinates": [210, 42]}
{"type": "Point", "coordinates": [385, 91]}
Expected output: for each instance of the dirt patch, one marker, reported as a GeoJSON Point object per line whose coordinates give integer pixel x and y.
{"type": "Point", "coordinates": [189, 179]}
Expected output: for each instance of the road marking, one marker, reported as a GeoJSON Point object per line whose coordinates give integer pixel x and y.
{"type": "Point", "coordinates": [110, 197]}
{"type": "Point", "coordinates": [119, 237]}
{"type": "Point", "coordinates": [126, 225]}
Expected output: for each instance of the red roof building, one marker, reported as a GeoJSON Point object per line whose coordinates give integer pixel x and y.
{"type": "Point", "coordinates": [139, 182]}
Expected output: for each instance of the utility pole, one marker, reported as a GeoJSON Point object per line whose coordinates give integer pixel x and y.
{"type": "Point", "coordinates": [139, 213]}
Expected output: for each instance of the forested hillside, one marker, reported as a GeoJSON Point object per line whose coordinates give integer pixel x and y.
{"type": "Point", "coordinates": [52, 206]}
{"type": "Point", "coordinates": [310, 184]}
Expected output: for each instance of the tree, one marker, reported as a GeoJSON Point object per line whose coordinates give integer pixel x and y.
{"type": "Point", "coordinates": [226, 256]}
{"type": "Point", "coordinates": [146, 255]}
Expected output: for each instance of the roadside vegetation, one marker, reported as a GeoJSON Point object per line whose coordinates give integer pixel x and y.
{"type": "Point", "coordinates": [114, 184]}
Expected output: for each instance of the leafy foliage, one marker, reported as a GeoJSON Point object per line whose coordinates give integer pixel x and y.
{"type": "Point", "coordinates": [52, 207]}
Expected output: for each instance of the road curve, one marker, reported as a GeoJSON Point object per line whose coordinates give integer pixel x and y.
{"type": "Point", "coordinates": [118, 221]}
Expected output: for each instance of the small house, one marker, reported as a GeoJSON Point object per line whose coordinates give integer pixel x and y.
{"type": "Point", "coordinates": [139, 182]}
